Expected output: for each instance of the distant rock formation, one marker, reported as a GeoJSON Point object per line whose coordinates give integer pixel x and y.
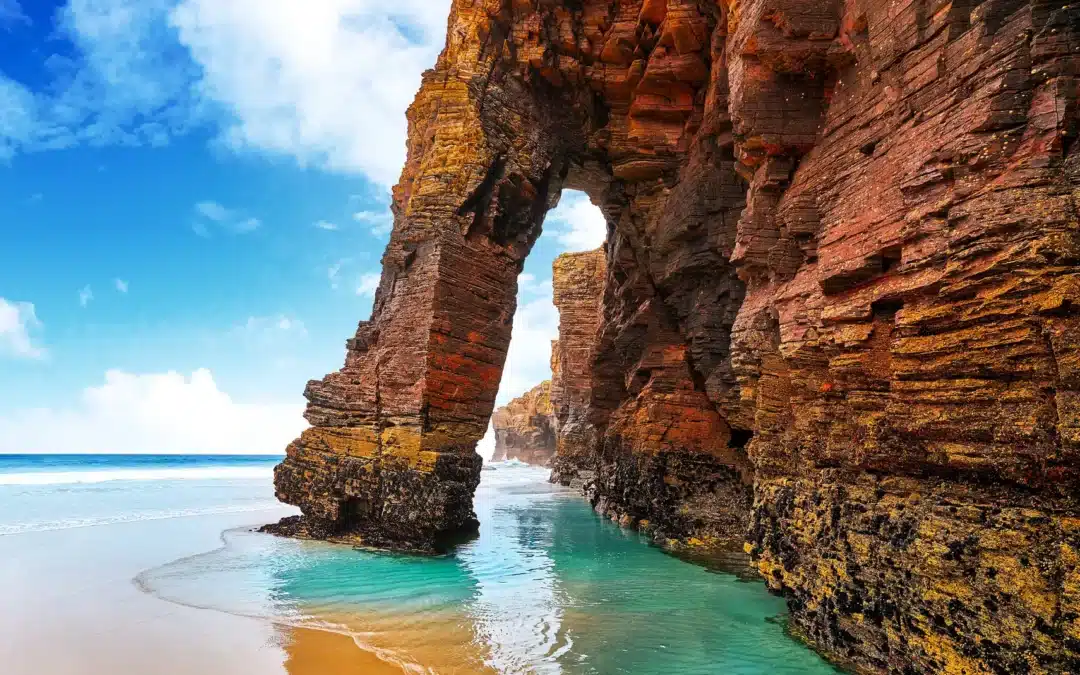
{"type": "Point", "coordinates": [840, 316]}
{"type": "Point", "coordinates": [525, 428]}
{"type": "Point", "coordinates": [578, 292]}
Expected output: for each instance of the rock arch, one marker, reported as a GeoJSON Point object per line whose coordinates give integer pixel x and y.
{"type": "Point", "coordinates": [523, 102]}
{"type": "Point", "coordinates": [842, 262]}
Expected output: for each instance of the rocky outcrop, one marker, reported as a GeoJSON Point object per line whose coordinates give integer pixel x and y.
{"type": "Point", "coordinates": [525, 428]}
{"type": "Point", "coordinates": [653, 452]}
{"type": "Point", "coordinates": [907, 350]}
{"type": "Point", "coordinates": [840, 316]}
{"type": "Point", "coordinates": [578, 292]}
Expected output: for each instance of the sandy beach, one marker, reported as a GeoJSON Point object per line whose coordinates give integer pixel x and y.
{"type": "Point", "coordinates": [73, 609]}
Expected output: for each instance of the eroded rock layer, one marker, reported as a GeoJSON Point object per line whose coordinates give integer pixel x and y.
{"type": "Point", "coordinates": [909, 342]}
{"type": "Point", "coordinates": [525, 428]}
{"type": "Point", "coordinates": [840, 314]}
{"type": "Point", "coordinates": [578, 292]}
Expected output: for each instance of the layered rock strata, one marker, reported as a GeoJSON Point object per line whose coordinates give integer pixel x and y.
{"type": "Point", "coordinates": [578, 293]}
{"type": "Point", "coordinates": [652, 453]}
{"type": "Point", "coordinates": [908, 347]}
{"type": "Point", "coordinates": [841, 268]}
{"type": "Point", "coordinates": [525, 428]}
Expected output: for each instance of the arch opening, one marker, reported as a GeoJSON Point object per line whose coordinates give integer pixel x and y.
{"type": "Point", "coordinates": [495, 138]}
{"type": "Point", "coordinates": [574, 226]}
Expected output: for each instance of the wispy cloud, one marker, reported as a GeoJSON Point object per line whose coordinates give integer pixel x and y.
{"type": "Point", "coordinates": [528, 284]}
{"type": "Point", "coordinates": [576, 223]}
{"type": "Point", "coordinates": [379, 223]}
{"type": "Point", "coordinates": [528, 362]}
{"type": "Point", "coordinates": [11, 13]}
{"type": "Point", "coordinates": [85, 296]}
{"type": "Point", "coordinates": [121, 286]}
{"type": "Point", "coordinates": [325, 83]}
{"type": "Point", "coordinates": [123, 81]}
{"type": "Point", "coordinates": [333, 273]}
{"type": "Point", "coordinates": [269, 326]}
{"type": "Point", "coordinates": [211, 216]}
{"type": "Point", "coordinates": [17, 321]}
{"type": "Point", "coordinates": [367, 285]}
{"type": "Point", "coordinates": [326, 225]}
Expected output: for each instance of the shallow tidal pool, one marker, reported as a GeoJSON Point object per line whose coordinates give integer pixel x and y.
{"type": "Point", "coordinates": [547, 587]}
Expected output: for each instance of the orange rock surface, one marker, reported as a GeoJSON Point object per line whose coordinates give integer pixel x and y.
{"type": "Point", "coordinates": [525, 428]}
{"type": "Point", "coordinates": [840, 318]}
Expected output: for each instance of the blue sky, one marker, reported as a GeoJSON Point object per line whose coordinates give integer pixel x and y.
{"type": "Point", "coordinates": [193, 204]}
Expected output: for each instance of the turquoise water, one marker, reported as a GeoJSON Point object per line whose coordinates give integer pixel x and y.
{"type": "Point", "coordinates": [547, 587]}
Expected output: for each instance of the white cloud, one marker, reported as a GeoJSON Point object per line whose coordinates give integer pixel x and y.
{"type": "Point", "coordinates": [121, 285]}
{"type": "Point", "coordinates": [486, 446]}
{"type": "Point", "coordinates": [368, 284]}
{"type": "Point", "coordinates": [528, 284]}
{"type": "Point", "coordinates": [85, 296]}
{"type": "Point", "coordinates": [124, 80]}
{"type": "Point", "coordinates": [528, 362]}
{"type": "Point", "coordinates": [325, 82]}
{"type": "Point", "coordinates": [270, 327]}
{"type": "Point", "coordinates": [157, 413]}
{"type": "Point", "coordinates": [379, 223]}
{"type": "Point", "coordinates": [577, 223]}
{"type": "Point", "coordinates": [213, 211]}
{"type": "Point", "coordinates": [326, 225]}
{"type": "Point", "coordinates": [18, 124]}
{"type": "Point", "coordinates": [211, 216]}
{"type": "Point", "coordinates": [17, 320]}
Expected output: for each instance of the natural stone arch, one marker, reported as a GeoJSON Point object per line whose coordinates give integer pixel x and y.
{"type": "Point", "coordinates": [886, 336]}
{"type": "Point", "coordinates": [523, 102]}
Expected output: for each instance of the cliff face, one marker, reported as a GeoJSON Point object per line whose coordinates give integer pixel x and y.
{"type": "Point", "coordinates": [578, 292]}
{"type": "Point", "coordinates": [907, 350]}
{"type": "Point", "coordinates": [839, 320]}
{"type": "Point", "coordinates": [525, 427]}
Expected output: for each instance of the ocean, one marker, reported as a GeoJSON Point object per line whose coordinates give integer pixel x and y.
{"type": "Point", "coordinates": [547, 587]}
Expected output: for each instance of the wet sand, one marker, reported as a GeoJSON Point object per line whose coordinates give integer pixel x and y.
{"type": "Point", "coordinates": [314, 652]}
{"type": "Point", "coordinates": [72, 609]}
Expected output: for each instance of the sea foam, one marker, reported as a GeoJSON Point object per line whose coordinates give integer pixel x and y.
{"type": "Point", "coordinates": [135, 517]}
{"type": "Point", "coordinates": [103, 476]}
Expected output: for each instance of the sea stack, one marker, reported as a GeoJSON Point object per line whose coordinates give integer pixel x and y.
{"type": "Point", "coordinates": [577, 281]}
{"type": "Point", "coordinates": [840, 316]}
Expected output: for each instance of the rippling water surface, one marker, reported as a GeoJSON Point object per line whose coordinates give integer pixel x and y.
{"type": "Point", "coordinates": [547, 587]}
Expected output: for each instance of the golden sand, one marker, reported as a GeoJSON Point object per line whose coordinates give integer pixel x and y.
{"type": "Point", "coordinates": [376, 644]}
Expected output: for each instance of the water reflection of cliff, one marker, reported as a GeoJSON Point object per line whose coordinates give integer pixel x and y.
{"type": "Point", "coordinates": [516, 610]}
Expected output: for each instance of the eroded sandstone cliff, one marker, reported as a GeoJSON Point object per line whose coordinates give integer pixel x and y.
{"type": "Point", "coordinates": [577, 281]}
{"type": "Point", "coordinates": [525, 428]}
{"type": "Point", "coordinates": [840, 318]}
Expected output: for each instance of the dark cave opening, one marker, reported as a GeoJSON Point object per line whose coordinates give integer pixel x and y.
{"type": "Point", "coordinates": [354, 513]}
{"type": "Point", "coordinates": [740, 438]}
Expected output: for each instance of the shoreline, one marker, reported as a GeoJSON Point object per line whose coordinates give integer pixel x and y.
{"type": "Point", "coordinates": [75, 587]}
{"type": "Point", "coordinates": [332, 637]}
